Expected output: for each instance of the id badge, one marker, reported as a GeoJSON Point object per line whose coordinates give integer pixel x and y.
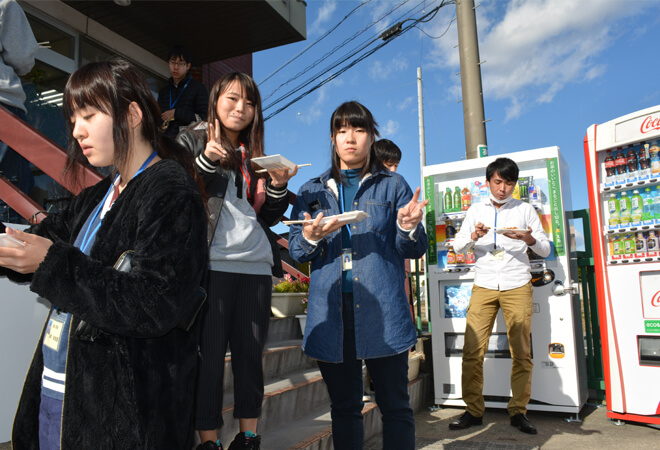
{"type": "Point", "coordinates": [53, 333]}
{"type": "Point", "coordinates": [497, 255]}
{"type": "Point", "coordinates": [346, 259]}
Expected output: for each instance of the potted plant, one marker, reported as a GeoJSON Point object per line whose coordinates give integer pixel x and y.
{"type": "Point", "coordinates": [288, 295]}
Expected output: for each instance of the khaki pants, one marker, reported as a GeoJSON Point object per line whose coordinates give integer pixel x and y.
{"type": "Point", "coordinates": [516, 306]}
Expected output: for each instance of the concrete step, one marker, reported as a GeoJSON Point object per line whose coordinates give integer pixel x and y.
{"type": "Point", "coordinates": [279, 358]}
{"type": "Point", "coordinates": [314, 432]}
{"type": "Point", "coordinates": [286, 400]}
{"type": "Point", "coordinates": [283, 329]}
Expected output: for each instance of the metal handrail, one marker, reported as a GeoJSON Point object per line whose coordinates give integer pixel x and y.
{"type": "Point", "coordinates": [43, 153]}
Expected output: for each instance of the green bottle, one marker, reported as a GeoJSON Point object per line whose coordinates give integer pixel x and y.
{"type": "Point", "coordinates": [617, 245]}
{"type": "Point", "coordinates": [647, 213]}
{"type": "Point", "coordinates": [448, 207]}
{"type": "Point", "coordinates": [457, 199]}
{"type": "Point", "coordinates": [636, 207]}
{"type": "Point", "coordinates": [624, 209]}
{"type": "Point", "coordinates": [629, 244]}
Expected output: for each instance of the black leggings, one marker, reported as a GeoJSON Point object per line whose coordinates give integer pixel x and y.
{"type": "Point", "coordinates": [238, 314]}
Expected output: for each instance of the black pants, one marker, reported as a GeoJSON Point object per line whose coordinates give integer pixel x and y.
{"type": "Point", "coordinates": [238, 314]}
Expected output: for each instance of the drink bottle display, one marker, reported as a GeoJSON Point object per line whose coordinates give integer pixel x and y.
{"type": "Point", "coordinates": [617, 245]}
{"type": "Point", "coordinates": [610, 169]}
{"type": "Point", "coordinates": [644, 163]}
{"type": "Point", "coordinates": [654, 156]}
{"type": "Point", "coordinates": [624, 209]}
{"type": "Point", "coordinates": [451, 256]}
{"type": "Point", "coordinates": [647, 210]}
{"type": "Point", "coordinates": [450, 230]}
{"type": "Point", "coordinates": [614, 211]}
{"type": "Point", "coordinates": [475, 192]}
{"type": "Point", "coordinates": [655, 195]}
{"type": "Point", "coordinates": [632, 164]}
{"type": "Point", "coordinates": [457, 199]}
{"type": "Point", "coordinates": [460, 258]}
{"type": "Point", "coordinates": [448, 205]}
{"type": "Point", "coordinates": [640, 243]}
{"type": "Point", "coordinates": [629, 244]}
{"type": "Point", "coordinates": [621, 166]}
{"type": "Point", "coordinates": [636, 207]}
{"type": "Point", "coordinates": [484, 192]}
{"type": "Point", "coordinates": [652, 242]}
{"type": "Point", "coordinates": [466, 199]}
{"type": "Point", "coordinates": [469, 257]}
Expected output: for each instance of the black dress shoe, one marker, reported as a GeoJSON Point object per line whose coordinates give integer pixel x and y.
{"type": "Point", "coordinates": [465, 421]}
{"type": "Point", "coordinates": [521, 422]}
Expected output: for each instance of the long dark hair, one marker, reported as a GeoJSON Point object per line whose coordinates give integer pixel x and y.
{"type": "Point", "coordinates": [252, 137]}
{"type": "Point", "coordinates": [111, 86]}
{"type": "Point", "coordinates": [355, 115]}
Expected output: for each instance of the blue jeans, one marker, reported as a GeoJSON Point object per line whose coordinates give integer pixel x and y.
{"type": "Point", "coordinates": [344, 382]}
{"type": "Point", "coordinates": [50, 423]}
{"type": "Point", "coordinates": [17, 170]}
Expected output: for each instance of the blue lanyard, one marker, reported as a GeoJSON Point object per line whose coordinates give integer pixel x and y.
{"type": "Point", "coordinates": [341, 205]}
{"type": "Point", "coordinates": [178, 96]}
{"type": "Point", "coordinates": [90, 235]}
{"type": "Point", "coordinates": [495, 234]}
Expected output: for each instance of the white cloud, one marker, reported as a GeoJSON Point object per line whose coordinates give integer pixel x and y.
{"type": "Point", "coordinates": [534, 48]}
{"type": "Point", "coordinates": [405, 104]}
{"type": "Point", "coordinates": [384, 70]}
{"type": "Point", "coordinates": [390, 129]}
{"type": "Point", "coordinates": [325, 14]}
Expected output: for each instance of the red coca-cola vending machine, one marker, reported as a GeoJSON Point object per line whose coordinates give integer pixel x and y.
{"type": "Point", "coordinates": [623, 171]}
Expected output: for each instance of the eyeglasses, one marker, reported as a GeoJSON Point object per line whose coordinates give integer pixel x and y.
{"type": "Point", "coordinates": [178, 64]}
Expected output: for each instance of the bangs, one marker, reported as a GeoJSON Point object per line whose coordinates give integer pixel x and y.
{"type": "Point", "coordinates": [246, 84]}
{"type": "Point", "coordinates": [354, 115]}
{"type": "Point", "coordinates": [89, 86]}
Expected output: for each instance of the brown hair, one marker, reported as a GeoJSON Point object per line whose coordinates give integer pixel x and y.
{"type": "Point", "coordinates": [252, 137]}
{"type": "Point", "coordinates": [111, 86]}
{"type": "Point", "coordinates": [356, 115]}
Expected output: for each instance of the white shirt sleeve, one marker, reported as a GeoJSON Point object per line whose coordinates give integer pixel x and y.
{"type": "Point", "coordinates": [463, 240]}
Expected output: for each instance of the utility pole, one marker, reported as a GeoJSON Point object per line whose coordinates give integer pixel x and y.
{"type": "Point", "coordinates": [473, 104]}
{"type": "Point", "coordinates": [422, 294]}
{"type": "Point", "coordinates": [422, 143]}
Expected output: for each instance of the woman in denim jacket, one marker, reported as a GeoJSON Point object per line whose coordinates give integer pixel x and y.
{"type": "Point", "coordinates": [358, 309]}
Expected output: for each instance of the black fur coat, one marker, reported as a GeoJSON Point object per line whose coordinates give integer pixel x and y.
{"type": "Point", "coordinates": [132, 387]}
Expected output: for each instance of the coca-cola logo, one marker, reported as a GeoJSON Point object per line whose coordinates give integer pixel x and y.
{"type": "Point", "coordinates": [650, 124]}
{"type": "Point", "coordinates": [655, 300]}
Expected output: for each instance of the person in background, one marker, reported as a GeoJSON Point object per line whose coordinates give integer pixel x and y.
{"type": "Point", "coordinates": [115, 364]}
{"type": "Point", "coordinates": [502, 280]}
{"type": "Point", "coordinates": [17, 49]}
{"type": "Point", "coordinates": [184, 100]}
{"type": "Point", "coordinates": [358, 310]}
{"type": "Point", "coordinates": [389, 153]}
{"type": "Point", "coordinates": [244, 255]}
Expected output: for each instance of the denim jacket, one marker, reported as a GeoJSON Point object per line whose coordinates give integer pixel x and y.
{"type": "Point", "coordinates": [383, 324]}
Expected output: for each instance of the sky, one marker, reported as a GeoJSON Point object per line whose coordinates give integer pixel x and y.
{"type": "Point", "coordinates": [550, 69]}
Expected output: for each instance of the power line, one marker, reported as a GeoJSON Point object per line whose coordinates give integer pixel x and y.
{"type": "Point", "coordinates": [334, 50]}
{"type": "Point", "coordinates": [331, 77]}
{"type": "Point", "coordinates": [315, 42]}
{"type": "Point", "coordinates": [361, 47]}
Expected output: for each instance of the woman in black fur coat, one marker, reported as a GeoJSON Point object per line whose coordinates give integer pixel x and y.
{"type": "Point", "coordinates": [115, 365]}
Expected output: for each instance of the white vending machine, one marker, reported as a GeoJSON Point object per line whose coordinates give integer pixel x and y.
{"type": "Point", "coordinates": [623, 173]}
{"type": "Point", "coordinates": [559, 376]}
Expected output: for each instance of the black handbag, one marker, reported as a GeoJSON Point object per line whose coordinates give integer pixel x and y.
{"type": "Point", "coordinates": [89, 332]}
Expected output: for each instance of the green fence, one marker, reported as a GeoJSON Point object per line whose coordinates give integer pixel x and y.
{"type": "Point", "coordinates": [587, 278]}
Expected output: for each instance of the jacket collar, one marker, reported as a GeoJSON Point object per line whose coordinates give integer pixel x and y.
{"type": "Point", "coordinates": [326, 179]}
{"type": "Point", "coordinates": [182, 82]}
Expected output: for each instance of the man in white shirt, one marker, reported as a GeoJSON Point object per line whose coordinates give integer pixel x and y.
{"type": "Point", "coordinates": [502, 280]}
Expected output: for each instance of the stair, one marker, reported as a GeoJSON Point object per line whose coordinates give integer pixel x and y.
{"type": "Point", "coordinates": [296, 407]}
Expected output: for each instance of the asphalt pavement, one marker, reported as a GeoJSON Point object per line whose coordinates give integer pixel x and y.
{"type": "Point", "coordinates": [595, 431]}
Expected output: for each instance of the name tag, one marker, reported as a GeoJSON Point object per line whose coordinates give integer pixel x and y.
{"type": "Point", "coordinates": [497, 255]}
{"type": "Point", "coordinates": [53, 334]}
{"type": "Point", "coordinates": [346, 260]}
